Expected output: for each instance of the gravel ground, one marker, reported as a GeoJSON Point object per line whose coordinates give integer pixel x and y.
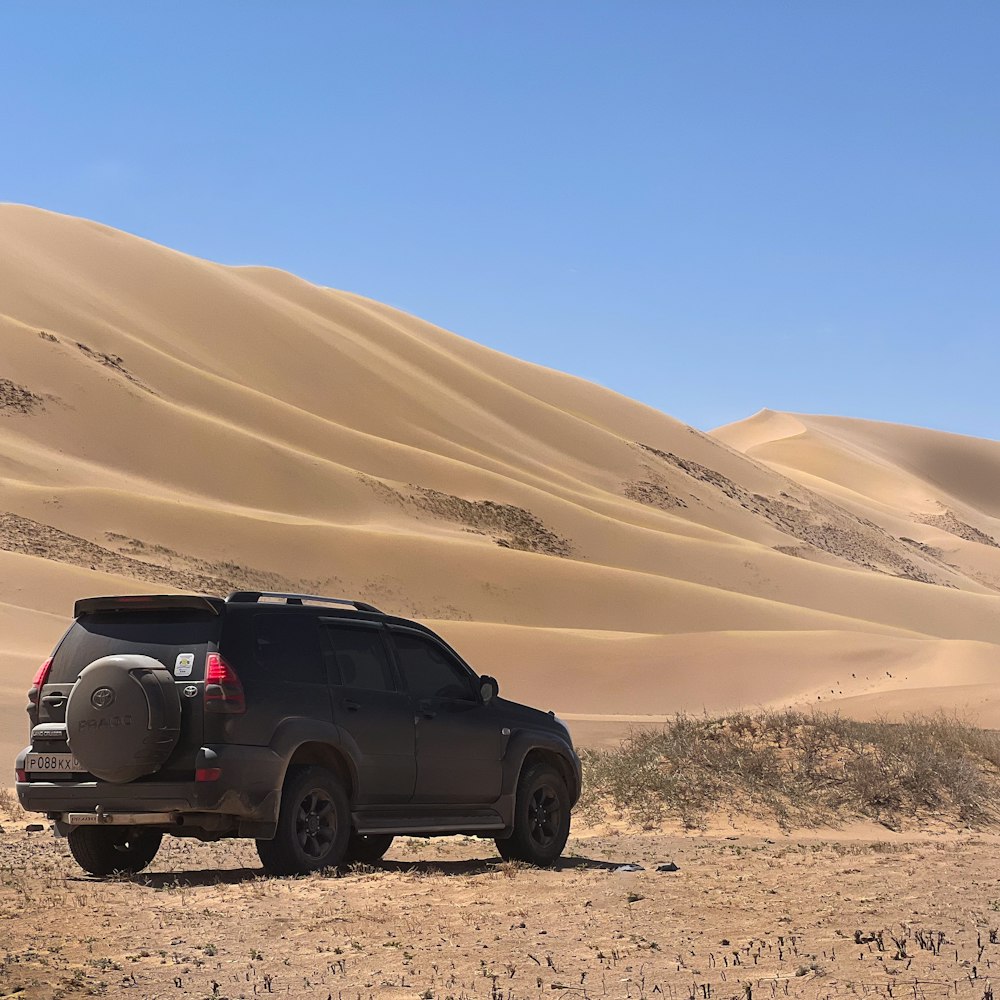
{"type": "Point", "coordinates": [745, 914]}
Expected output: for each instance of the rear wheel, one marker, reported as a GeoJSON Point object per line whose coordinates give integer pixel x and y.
{"type": "Point", "coordinates": [367, 847]}
{"type": "Point", "coordinates": [314, 824]}
{"type": "Point", "coordinates": [541, 818]}
{"type": "Point", "coordinates": [104, 850]}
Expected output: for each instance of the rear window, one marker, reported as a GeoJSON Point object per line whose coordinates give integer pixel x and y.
{"type": "Point", "coordinates": [178, 640]}
{"type": "Point", "coordinates": [287, 647]}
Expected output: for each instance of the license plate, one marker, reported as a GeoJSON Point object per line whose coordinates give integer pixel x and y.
{"type": "Point", "coordinates": [53, 763]}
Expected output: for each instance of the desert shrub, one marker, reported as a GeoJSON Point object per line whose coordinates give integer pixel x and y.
{"type": "Point", "coordinates": [9, 804]}
{"type": "Point", "coordinates": [923, 765]}
{"type": "Point", "coordinates": [798, 769]}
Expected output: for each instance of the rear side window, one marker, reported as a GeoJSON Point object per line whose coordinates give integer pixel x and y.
{"type": "Point", "coordinates": [429, 670]}
{"type": "Point", "coordinates": [179, 641]}
{"type": "Point", "coordinates": [287, 648]}
{"type": "Point", "coordinates": [356, 657]}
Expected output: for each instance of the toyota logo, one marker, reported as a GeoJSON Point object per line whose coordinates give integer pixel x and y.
{"type": "Point", "coordinates": [102, 698]}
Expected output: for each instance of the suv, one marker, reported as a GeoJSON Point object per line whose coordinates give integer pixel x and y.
{"type": "Point", "coordinates": [317, 726]}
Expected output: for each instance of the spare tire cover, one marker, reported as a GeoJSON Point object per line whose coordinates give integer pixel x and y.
{"type": "Point", "coordinates": [123, 717]}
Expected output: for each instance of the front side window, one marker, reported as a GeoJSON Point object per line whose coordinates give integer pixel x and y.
{"type": "Point", "coordinates": [429, 671]}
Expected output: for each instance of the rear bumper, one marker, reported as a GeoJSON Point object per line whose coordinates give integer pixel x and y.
{"type": "Point", "coordinates": [246, 789]}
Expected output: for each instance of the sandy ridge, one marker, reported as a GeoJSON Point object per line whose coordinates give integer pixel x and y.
{"type": "Point", "coordinates": [170, 422]}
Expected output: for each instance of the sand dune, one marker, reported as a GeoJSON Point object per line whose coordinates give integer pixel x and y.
{"type": "Point", "coordinates": [167, 422]}
{"type": "Point", "coordinates": [939, 492]}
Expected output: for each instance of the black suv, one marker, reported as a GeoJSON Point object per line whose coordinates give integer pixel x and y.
{"type": "Point", "coordinates": [317, 726]}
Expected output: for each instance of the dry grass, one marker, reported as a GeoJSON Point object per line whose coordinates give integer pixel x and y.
{"type": "Point", "coordinates": [9, 805]}
{"type": "Point", "coordinates": [800, 770]}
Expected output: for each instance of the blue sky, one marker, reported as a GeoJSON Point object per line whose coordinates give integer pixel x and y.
{"type": "Point", "coordinates": [709, 206]}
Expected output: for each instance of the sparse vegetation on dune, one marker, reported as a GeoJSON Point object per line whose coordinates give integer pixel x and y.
{"type": "Point", "coordinates": [800, 770]}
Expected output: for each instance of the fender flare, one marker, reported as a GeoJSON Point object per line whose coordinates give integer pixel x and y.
{"type": "Point", "coordinates": [295, 732]}
{"type": "Point", "coordinates": [523, 743]}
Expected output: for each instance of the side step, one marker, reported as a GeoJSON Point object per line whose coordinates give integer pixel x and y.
{"type": "Point", "coordinates": [402, 825]}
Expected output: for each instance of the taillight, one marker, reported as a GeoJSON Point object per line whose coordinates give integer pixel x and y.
{"type": "Point", "coordinates": [208, 774]}
{"type": "Point", "coordinates": [40, 680]}
{"type": "Point", "coordinates": [21, 774]}
{"type": "Point", "coordinates": [223, 690]}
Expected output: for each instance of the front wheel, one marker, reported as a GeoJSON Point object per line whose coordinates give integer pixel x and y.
{"type": "Point", "coordinates": [107, 850]}
{"type": "Point", "coordinates": [541, 818]}
{"type": "Point", "coordinates": [314, 822]}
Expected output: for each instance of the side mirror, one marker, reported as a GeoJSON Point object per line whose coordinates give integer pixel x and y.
{"type": "Point", "coordinates": [488, 688]}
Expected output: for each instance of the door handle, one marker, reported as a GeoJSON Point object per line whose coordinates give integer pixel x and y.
{"type": "Point", "coordinates": [54, 699]}
{"type": "Point", "coordinates": [426, 710]}
{"type": "Point", "coordinates": [351, 706]}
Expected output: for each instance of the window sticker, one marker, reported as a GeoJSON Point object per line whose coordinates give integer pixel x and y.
{"type": "Point", "coordinates": [184, 665]}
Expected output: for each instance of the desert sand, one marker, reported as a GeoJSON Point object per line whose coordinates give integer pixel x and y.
{"type": "Point", "coordinates": [849, 913]}
{"type": "Point", "coordinates": [171, 423]}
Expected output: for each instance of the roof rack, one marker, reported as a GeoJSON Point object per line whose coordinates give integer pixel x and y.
{"type": "Point", "coordinates": [253, 596]}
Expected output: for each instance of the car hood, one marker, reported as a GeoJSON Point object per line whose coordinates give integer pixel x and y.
{"type": "Point", "coordinates": [531, 717]}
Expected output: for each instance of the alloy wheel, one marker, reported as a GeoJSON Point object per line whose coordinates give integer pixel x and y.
{"type": "Point", "coordinates": [316, 824]}
{"type": "Point", "coordinates": [544, 815]}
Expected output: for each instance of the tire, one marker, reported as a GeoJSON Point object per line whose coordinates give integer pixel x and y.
{"type": "Point", "coordinates": [367, 847]}
{"type": "Point", "coordinates": [105, 850]}
{"type": "Point", "coordinates": [123, 717]}
{"type": "Point", "coordinates": [541, 818]}
{"type": "Point", "coordinates": [314, 824]}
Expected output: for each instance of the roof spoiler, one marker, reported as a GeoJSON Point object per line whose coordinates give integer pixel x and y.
{"type": "Point", "coordinates": [148, 602]}
{"type": "Point", "coordinates": [253, 596]}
